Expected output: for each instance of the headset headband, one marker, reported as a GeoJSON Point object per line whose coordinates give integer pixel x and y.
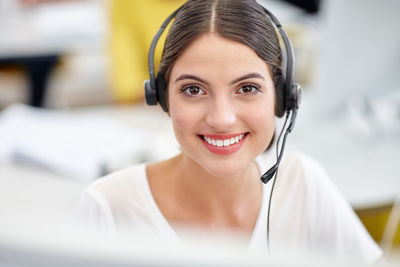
{"type": "Point", "coordinates": [292, 91]}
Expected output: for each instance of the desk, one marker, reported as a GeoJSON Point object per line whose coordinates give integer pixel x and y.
{"type": "Point", "coordinates": [363, 166]}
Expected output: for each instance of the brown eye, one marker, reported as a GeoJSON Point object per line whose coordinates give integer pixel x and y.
{"type": "Point", "coordinates": [193, 90]}
{"type": "Point", "coordinates": [249, 89]}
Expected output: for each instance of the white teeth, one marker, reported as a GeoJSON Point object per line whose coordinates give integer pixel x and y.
{"type": "Point", "coordinates": [225, 142]}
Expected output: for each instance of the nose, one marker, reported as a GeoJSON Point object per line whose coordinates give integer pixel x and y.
{"type": "Point", "coordinates": [221, 115]}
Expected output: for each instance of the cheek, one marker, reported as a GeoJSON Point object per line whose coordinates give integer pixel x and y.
{"type": "Point", "coordinates": [180, 124]}
{"type": "Point", "coordinates": [262, 122]}
{"type": "Point", "coordinates": [183, 119]}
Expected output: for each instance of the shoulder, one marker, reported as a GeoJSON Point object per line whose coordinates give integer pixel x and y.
{"type": "Point", "coordinates": [303, 172]}
{"type": "Point", "coordinates": [308, 183]}
{"type": "Point", "coordinates": [118, 200]}
{"type": "Point", "coordinates": [132, 177]}
{"type": "Point", "coordinates": [301, 165]}
{"type": "Point", "coordinates": [116, 191]}
{"type": "Point", "coordinates": [297, 173]}
{"type": "Point", "coordinates": [301, 182]}
{"type": "Point", "coordinates": [307, 196]}
{"type": "Point", "coordinates": [294, 164]}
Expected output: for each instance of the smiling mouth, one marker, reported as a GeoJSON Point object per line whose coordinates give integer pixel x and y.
{"type": "Point", "coordinates": [223, 142]}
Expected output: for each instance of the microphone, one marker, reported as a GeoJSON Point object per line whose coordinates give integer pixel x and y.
{"type": "Point", "coordinates": [267, 176]}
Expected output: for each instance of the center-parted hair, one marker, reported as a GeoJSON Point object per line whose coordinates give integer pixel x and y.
{"type": "Point", "coordinates": [243, 21]}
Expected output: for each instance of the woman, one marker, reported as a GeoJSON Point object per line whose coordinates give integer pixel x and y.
{"type": "Point", "coordinates": [222, 71]}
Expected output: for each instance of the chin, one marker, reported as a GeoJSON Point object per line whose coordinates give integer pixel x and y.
{"type": "Point", "coordinates": [224, 169]}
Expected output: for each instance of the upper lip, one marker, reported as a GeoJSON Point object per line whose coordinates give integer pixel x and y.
{"type": "Point", "coordinates": [222, 136]}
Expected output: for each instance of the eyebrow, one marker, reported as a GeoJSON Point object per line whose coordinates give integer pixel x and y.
{"type": "Point", "coordinates": [191, 77]}
{"type": "Point", "coordinates": [248, 76]}
{"type": "Point", "coordinates": [244, 77]}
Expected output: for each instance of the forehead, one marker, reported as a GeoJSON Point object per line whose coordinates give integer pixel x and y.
{"type": "Point", "coordinates": [218, 58]}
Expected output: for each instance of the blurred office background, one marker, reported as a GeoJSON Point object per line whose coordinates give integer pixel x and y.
{"type": "Point", "coordinates": [71, 101]}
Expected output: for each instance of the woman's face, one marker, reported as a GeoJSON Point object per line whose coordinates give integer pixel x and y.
{"type": "Point", "coordinates": [221, 103]}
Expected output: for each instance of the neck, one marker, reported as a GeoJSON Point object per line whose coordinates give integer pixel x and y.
{"type": "Point", "coordinates": [213, 194]}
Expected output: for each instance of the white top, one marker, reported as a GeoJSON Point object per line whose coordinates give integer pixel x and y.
{"type": "Point", "coordinates": [307, 210]}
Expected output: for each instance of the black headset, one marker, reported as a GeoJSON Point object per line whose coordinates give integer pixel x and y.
{"type": "Point", "coordinates": [155, 87]}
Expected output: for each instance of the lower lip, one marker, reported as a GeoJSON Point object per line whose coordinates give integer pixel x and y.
{"type": "Point", "coordinates": [224, 150]}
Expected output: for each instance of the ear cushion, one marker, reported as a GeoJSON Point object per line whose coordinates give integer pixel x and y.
{"type": "Point", "coordinates": [162, 92]}
{"type": "Point", "coordinates": [280, 84]}
{"type": "Point", "coordinates": [150, 94]}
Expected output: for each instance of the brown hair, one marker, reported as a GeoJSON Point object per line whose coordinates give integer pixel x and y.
{"type": "Point", "coordinates": [243, 21]}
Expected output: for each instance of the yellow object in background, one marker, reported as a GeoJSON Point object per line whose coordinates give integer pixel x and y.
{"type": "Point", "coordinates": [375, 220]}
{"type": "Point", "coordinates": [133, 25]}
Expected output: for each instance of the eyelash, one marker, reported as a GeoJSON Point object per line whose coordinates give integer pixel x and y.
{"type": "Point", "coordinates": [186, 87]}
{"type": "Point", "coordinates": [255, 86]}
